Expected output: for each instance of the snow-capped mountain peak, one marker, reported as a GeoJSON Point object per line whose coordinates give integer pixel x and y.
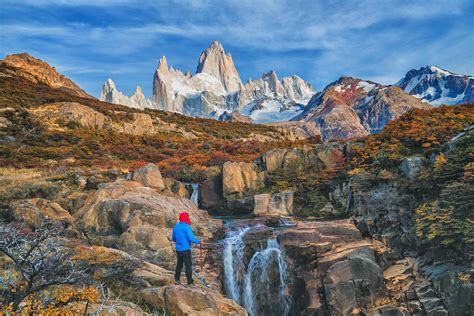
{"type": "Point", "coordinates": [216, 88]}
{"type": "Point", "coordinates": [437, 86]}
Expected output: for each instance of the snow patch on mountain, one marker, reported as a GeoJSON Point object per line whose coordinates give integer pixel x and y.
{"type": "Point", "coordinates": [438, 86]}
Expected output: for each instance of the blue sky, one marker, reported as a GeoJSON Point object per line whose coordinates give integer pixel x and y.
{"type": "Point", "coordinates": [92, 40]}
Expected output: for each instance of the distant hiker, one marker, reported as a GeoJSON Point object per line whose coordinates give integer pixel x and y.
{"type": "Point", "coordinates": [183, 237]}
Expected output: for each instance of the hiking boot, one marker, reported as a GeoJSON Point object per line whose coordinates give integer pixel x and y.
{"type": "Point", "coordinates": [191, 286]}
{"type": "Point", "coordinates": [177, 283]}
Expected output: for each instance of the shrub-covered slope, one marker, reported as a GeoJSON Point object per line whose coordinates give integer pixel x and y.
{"type": "Point", "coordinates": [45, 127]}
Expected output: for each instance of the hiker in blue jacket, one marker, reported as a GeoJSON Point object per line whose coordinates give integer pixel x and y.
{"type": "Point", "coordinates": [183, 237]}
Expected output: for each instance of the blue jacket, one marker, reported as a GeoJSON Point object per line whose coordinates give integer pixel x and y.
{"type": "Point", "coordinates": [183, 236]}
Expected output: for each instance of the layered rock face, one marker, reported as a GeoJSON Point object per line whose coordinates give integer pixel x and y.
{"type": "Point", "coordinates": [337, 266]}
{"type": "Point", "coordinates": [39, 71]}
{"type": "Point", "coordinates": [215, 91]}
{"type": "Point", "coordinates": [244, 187]}
{"type": "Point", "coordinates": [438, 86]}
{"type": "Point", "coordinates": [351, 108]}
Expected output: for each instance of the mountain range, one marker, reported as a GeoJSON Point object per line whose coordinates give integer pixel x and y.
{"type": "Point", "coordinates": [216, 90]}
{"type": "Point", "coordinates": [347, 108]}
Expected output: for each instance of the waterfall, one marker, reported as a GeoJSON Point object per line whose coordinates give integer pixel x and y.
{"type": "Point", "coordinates": [284, 222]}
{"type": "Point", "coordinates": [265, 289]}
{"type": "Point", "coordinates": [195, 194]}
{"type": "Point", "coordinates": [261, 287]}
{"type": "Point", "coordinates": [234, 268]}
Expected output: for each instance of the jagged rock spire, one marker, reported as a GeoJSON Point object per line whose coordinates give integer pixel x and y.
{"type": "Point", "coordinates": [217, 63]}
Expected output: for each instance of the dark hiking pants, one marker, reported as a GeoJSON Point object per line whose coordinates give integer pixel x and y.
{"type": "Point", "coordinates": [184, 257]}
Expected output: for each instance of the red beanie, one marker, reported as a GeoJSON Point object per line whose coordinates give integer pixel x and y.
{"type": "Point", "coordinates": [184, 217]}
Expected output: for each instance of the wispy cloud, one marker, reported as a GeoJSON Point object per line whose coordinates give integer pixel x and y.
{"type": "Point", "coordinates": [318, 40]}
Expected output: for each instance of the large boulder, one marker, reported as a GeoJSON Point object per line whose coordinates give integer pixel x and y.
{"type": "Point", "coordinates": [200, 301]}
{"type": "Point", "coordinates": [287, 160]}
{"type": "Point", "coordinates": [241, 179]}
{"type": "Point", "coordinates": [353, 283]}
{"type": "Point", "coordinates": [79, 114]}
{"type": "Point", "coordinates": [296, 160]}
{"type": "Point", "coordinates": [210, 192]}
{"type": "Point", "coordinates": [34, 212]}
{"type": "Point", "coordinates": [149, 176]}
{"type": "Point", "coordinates": [139, 220]}
{"type": "Point", "coordinates": [177, 188]}
{"type": "Point", "coordinates": [275, 204]}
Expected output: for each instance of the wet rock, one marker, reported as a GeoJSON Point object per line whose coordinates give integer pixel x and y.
{"type": "Point", "coordinates": [274, 204]}
{"type": "Point", "coordinates": [336, 265]}
{"type": "Point", "coordinates": [210, 192]}
{"type": "Point", "coordinates": [241, 205]}
{"type": "Point", "coordinates": [149, 176]}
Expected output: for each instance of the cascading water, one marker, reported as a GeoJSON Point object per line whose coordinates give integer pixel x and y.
{"type": "Point", "coordinates": [261, 287]}
{"type": "Point", "coordinates": [265, 288]}
{"type": "Point", "coordinates": [195, 194]}
{"type": "Point", "coordinates": [234, 269]}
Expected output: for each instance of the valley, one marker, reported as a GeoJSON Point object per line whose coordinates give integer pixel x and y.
{"type": "Point", "coordinates": [359, 204]}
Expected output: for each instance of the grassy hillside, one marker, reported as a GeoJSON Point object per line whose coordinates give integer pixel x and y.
{"type": "Point", "coordinates": [182, 146]}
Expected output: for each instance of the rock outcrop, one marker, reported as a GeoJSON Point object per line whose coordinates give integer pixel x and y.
{"type": "Point", "coordinates": [241, 177]}
{"type": "Point", "coordinates": [35, 212]}
{"type": "Point", "coordinates": [149, 176]}
{"type": "Point", "coordinates": [411, 166]}
{"type": "Point", "coordinates": [438, 86]}
{"type": "Point", "coordinates": [75, 114]}
{"type": "Point", "coordinates": [243, 187]}
{"type": "Point", "coordinates": [333, 259]}
{"type": "Point", "coordinates": [277, 204]}
{"type": "Point", "coordinates": [234, 117]}
{"type": "Point", "coordinates": [139, 220]}
{"type": "Point", "coordinates": [210, 191]}
{"type": "Point", "coordinates": [39, 71]}
{"type": "Point", "coordinates": [200, 301]}
{"type": "Point", "coordinates": [79, 114]}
